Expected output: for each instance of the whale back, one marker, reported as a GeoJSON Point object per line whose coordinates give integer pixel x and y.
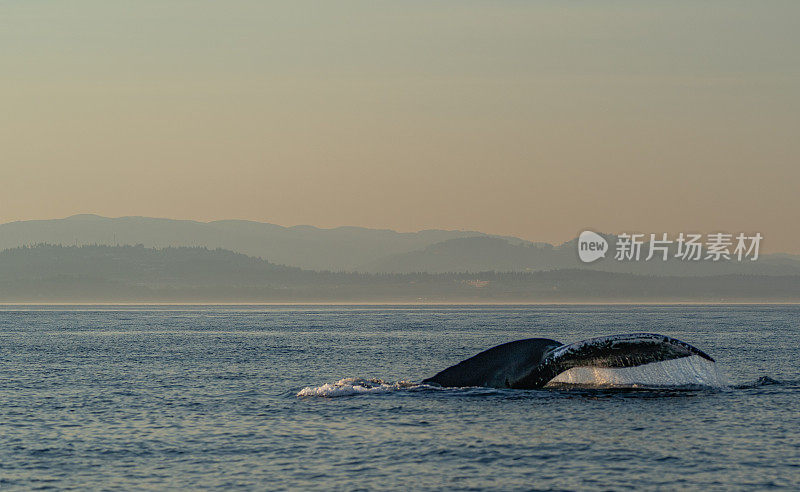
{"type": "Point", "coordinates": [499, 367]}
{"type": "Point", "coordinates": [613, 351]}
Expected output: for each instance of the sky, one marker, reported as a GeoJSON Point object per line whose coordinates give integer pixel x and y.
{"type": "Point", "coordinates": [537, 119]}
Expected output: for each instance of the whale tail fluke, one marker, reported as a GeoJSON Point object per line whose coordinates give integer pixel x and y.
{"type": "Point", "coordinates": [615, 351]}
{"type": "Point", "coordinates": [532, 363]}
{"type": "Point", "coordinates": [498, 367]}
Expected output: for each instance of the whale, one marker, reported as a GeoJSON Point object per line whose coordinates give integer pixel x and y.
{"type": "Point", "coordinates": [533, 362]}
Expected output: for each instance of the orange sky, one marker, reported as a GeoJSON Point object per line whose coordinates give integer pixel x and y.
{"type": "Point", "coordinates": [534, 119]}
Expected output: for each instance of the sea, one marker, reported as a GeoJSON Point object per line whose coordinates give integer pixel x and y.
{"type": "Point", "coordinates": [324, 397]}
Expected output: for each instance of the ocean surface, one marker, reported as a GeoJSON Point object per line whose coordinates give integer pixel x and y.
{"type": "Point", "coordinates": [328, 398]}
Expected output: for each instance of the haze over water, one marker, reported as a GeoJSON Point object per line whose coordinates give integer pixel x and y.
{"type": "Point", "coordinates": [202, 397]}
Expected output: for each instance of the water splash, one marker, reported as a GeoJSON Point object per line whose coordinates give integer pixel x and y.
{"type": "Point", "coordinates": [356, 386]}
{"type": "Point", "coordinates": [686, 371]}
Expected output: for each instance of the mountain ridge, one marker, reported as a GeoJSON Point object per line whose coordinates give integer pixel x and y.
{"type": "Point", "coordinates": [342, 248]}
{"type": "Point", "coordinates": [490, 253]}
{"type": "Point", "coordinates": [361, 249]}
{"type": "Point", "coordinates": [55, 273]}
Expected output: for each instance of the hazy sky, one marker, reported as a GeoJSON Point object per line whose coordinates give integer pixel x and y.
{"type": "Point", "coordinates": [536, 119]}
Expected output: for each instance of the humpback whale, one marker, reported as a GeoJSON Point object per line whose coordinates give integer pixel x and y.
{"type": "Point", "coordinates": [533, 362]}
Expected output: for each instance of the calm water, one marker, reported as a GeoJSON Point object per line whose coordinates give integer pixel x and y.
{"type": "Point", "coordinates": [187, 397]}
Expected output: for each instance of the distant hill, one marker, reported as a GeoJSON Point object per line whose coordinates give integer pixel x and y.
{"type": "Point", "coordinates": [361, 249]}
{"type": "Point", "coordinates": [139, 265]}
{"type": "Point", "coordinates": [476, 254]}
{"type": "Point", "coordinates": [47, 273]}
{"type": "Point", "coordinates": [342, 248]}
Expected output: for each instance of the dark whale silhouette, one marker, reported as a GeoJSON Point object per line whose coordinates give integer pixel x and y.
{"type": "Point", "coordinates": [533, 362]}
